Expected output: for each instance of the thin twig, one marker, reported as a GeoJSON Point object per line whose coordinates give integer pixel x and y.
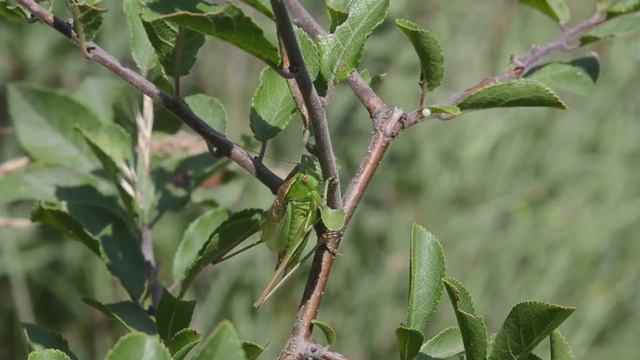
{"type": "Point", "coordinates": [222, 145]}
{"type": "Point", "coordinates": [13, 165]}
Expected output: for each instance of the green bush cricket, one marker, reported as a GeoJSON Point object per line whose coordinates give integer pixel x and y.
{"type": "Point", "coordinates": [292, 216]}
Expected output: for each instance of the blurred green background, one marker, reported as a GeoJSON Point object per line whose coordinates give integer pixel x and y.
{"type": "Point", "coordinates": [529, 204]}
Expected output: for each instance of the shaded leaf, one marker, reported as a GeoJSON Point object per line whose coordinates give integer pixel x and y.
{"type": "Point", "coordinates": [472, 327]}
{"type": "Point", "coordinates": [173, 315]}
{"type": "Point", "coordinates": [429, 51]}
{"type": "Point", "coordinates": [619, 7]}
{"type": "Point", "coordinates": [182, 343]}
{"type": "Point", "coordinates": [194, 239]}
{"type": "Point", "coordinates": [578, 76]}
{"type": "Point", "coordinates": [409, 342]}
{"type": "Point", "coordinates": [622, 24]}
{"type": "Point", "coordinates": [89, 16]}
{"type": "Point", "coordinates": [138, 346]}
{"type": "Point", "coordinates": [342, 50]}
{"type": "Point", "coordinates": [141, 48]}
{"type": "Point", "coordinates": [555, 9]}
{"type": "Point", "coordinates": [237, 228]}
{"type": "Point", "coordinates": [446, 344]}
{"type": "Point", "coordinates": [252, 350]}
{"type": "Point", "coordinates": [262, 6]}
{"type": "Point", "coordinates": [427, 269]}
{"type": "Point", "coordinates": [338, 11]}
{"type": "Point", "coordinates": [560, 349]}
{"type": "Point", "coordinates": [128, 314]}
{"type": "Point", "coordinates": [525, 327]}
{"type": "Point", "coordinates": [49, 354]}
{"type": "Point", "coordinates": [90, 217]}
{"type": "Point", "coordinates": [175, 47]}
{"type": "Point", "coordinates": [12, 12]}
{"type": "Point", "coordinates": [40, 338]}
{"type": "Point", "coordinates": [311, 52]}
{"type": "Point", "coordinates": [516, 93]}
{"type": "Point", "coordinates": [45, 124]}
{"type": "Point", "coordinates": [226, 22]}
{"type": "Point", "coordinates": [222, 344]}
{"type": "Point", "coordinates": [210, 110]}
{"type": "Point", "coordinates": [328, 331]}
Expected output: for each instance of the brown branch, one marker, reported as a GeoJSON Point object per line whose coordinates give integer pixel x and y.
{"type": "Point", "coordinates": [315, 108]}
{"type": "Point", "coordinates": [221, 145]}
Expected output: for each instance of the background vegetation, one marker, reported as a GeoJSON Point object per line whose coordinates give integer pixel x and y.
{"type": "Point", "coordinates": [517, 197]}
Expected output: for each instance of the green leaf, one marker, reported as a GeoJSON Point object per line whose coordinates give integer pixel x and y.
{"type": "Point", "coordinates": [104, 96]}
{"type": "Point", "coordinates": [446, 344]}
{"type": "Point", "coordinates": [40, 338]}
{"type": "Point", "coordinates": [194, 239]}
{"type": "Point", "coordinates": [49, 354]}
{"type": "Point", "coordinates": [210, 110]}
{"type": "Point", "coordinates": [271, 106]}
{"type": "Point", "coordinates": [222, 344]}
{"type": "Point", "coordinates": [472, 327]}
{"type": "Point", "coordinates": [138, 346]}
{"type": "Point", "coordinates": [525, 327]}
{"type": "Point", "coordinates": [445, 109]}
{"type": "Point", "coordinates": [622, 24]}
{"type": "Point", "coordinates": [112, 142]}
{"type": "Point", "coordinates": [262, 6]}
{"type": "Point", "coordinates": [342, 50]}
{"type": "Point", "coordinates": [619, 7]}
{"type": "Point", "coordinates": [429, 51]}
{"type": "Point", "coordinates": [41, 182]}
{"type": "Point", "coordinates": [126, 313]}
{"type": "Point", "coordinates": [333, 219]}
{"type": "Point", "coordinates": [516, 93]}
{"type": "Point", "coordinates": [328, 331]}
{"type": "Point", "coordinates": [182, 343]}
{"type": "Point", "coordinates": [578, 76]}
{"type": "Point", "coordinates": [176, 47]}
{"type": "Point", "coordinates": [338, 11]}
{"type": "Point", "coordinates": [237, 228]}
{"type": "Point", "coordinates": [226, 22]}
{"type": "Point", "coordinates": [12, 12]}
{"type": "Point", "coordinates": [409, 342]}
{"type": "Point", "coordinates": [89, 17]}
{"type": "Point", "coordinates": [56, 215]}
{"type": "Point", "coordinates": [311, 52]}
{"type": "Point", "coordinates": [92, 219]}
{"type": "Point", "coordinates": [141, 48]}
{"type": "Point", "coordinates": [173, 315]}
{"type": "Point", "coordinates": [555, 9]}
{"type": "Point", "coordinates": [252, 350]}
{"type": "Point", "coordinates": [45, 124]}
{"type": "Point", "coordinates": [427, 269]}
{"type": "Point", "coordinates": [560, 349]}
